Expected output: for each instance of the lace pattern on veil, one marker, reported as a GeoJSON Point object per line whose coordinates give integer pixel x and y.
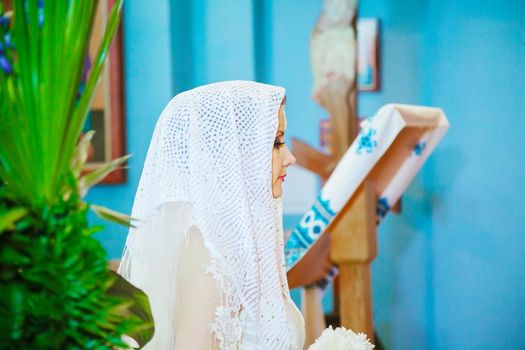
{"type": "Point", "coordinates": [227, 326]}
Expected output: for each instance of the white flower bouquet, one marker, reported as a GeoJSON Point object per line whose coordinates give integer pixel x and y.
{"type": "Point", "coordinates": [341, 339]}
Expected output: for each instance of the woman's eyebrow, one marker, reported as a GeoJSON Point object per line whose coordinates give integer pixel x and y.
{"type": "Point", "coordinates": [280, 133]}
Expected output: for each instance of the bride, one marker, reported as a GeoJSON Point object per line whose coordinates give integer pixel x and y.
{"type": "Point", "coordinates": [207, 241]}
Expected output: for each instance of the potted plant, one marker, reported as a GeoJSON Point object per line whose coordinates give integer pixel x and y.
{"type": "Point", "coordinates": [56, 291]}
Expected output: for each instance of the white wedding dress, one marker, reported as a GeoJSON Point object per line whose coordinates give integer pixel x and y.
{"type": "Point", "coordinates": [197, 297]}
{"type": "Point", "coordinates": [186, 320]}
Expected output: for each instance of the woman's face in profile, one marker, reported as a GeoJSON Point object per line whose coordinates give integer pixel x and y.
{"type": "Point", "coordinates": [281, 156]}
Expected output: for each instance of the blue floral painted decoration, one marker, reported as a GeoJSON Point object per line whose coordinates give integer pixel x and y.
{"type": "Point", "coordinates": [383, 207]}
{"type": "Point", "coordinates": [419, 148]}
{"type": "Point", "coordinates": [308, 230]}
{"type": "Point", "coordinates": [366, 141]}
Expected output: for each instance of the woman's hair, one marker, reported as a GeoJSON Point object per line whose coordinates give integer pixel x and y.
{"type": "Point", "coordinates": [284, 100]}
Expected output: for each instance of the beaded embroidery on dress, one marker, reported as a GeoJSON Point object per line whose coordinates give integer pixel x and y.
{"type": "Point", "coordinates": [210, 155]}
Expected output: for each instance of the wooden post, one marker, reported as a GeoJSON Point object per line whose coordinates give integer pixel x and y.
{"type": "Point", "coordinates": [353, 246]}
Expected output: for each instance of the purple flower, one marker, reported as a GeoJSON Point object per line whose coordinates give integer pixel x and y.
{"type": "Point", "coordinates": [40, 13]}
{"type": "Point", "coordinates": [87, 67]}
{"type": "Point", "coordinates": [40, 17]}
{"type": "Point", "coordinates": [5, 65]}
{"type": "Point", "coordinates": [7, 41]}
{"type": "Point", "coordinates": [4, 21]}
{"type": "Point", "coordinates": [85, 72]}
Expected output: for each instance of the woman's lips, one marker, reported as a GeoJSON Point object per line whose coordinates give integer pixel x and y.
{"type": "Point", "coordinates": [282, 177]}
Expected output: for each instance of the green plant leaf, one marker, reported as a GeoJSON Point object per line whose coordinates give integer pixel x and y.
{"type": "Point", "coordinates": [111, 215]}
{"type": "Point", "coordinates": [80, 112]}
{"type": "Point", "coordinates": [97, 175]}
{"type": "Point", "coordinates": [53, 272]}
{"type": "Point", "coordinates": [81, 152]}
{"type": "Point", "coordinates": [137, 306]}
{"type": "Point", "coordinates": [9, 218]}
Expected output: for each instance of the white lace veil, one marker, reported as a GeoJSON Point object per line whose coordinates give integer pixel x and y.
{"type": "Point", "coordinates": [209, 165]}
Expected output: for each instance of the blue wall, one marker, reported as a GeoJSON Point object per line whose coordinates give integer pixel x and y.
{"type": "Point", "coordinates": [478, 196]}
{"type": "Point", "coordinates": [450, 272]}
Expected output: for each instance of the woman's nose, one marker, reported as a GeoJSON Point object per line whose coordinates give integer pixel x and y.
{"type": "Point", "coordinates": [289, 159]}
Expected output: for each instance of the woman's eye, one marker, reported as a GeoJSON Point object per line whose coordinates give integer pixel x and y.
{"type": "Point", "coordinates": [278, 144]}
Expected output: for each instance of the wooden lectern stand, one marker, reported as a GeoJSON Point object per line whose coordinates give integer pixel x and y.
{"type": "Point", "coordinates": [366, 184]}
{"type": "Point", "coordinates": [351, 242]}
{"type": "Point", "coordinates": [353, 247]}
